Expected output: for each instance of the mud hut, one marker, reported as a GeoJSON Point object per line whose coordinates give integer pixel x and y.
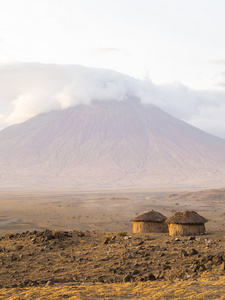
{"type": "Point", "coordinates": [186, 223]}
{"type": "Point", "coordinates": [151, 221]}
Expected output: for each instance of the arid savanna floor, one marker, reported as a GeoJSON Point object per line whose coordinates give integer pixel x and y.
{"type": "Point", "coordinates": [105, 211]}
{"type": "Point", "coordinates": [99, 257]}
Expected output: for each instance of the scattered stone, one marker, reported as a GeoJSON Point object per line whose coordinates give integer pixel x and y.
{"type": "Point", "coordinates": [49, 282]}
{"type": "Point", "coordinates": [201, 268]}
{"type": "Point", "coordinates": [183, 253]}
{"type": "Point", "coordinates": [166, 267]}
{"type": "Point", "coordinates": [208, 265]}
{"type": "Point", "coordinates": [151, 277]}
{"type": "Point", "coordinates": [192, 252]}
{"type": "Point", "coordinates": [128, 278]}
{"type": "Point", "coordinates": [34, 240]}
{"type": "Point", "coordinates": [136, 272]}
{"type": "Point", "coordinates": [80, 234]}
{"type": "Point", "coordinates": [19, 247]}
{"type": "Point", "coordinates": [222, 266]}
{"type": "Point", "coordinates": [2, 249]}
{"type": "Point", "coordinates": [100, 279]}
{"type": "Point", "coordinates": [140, 243]}
{"type": "Point", "coordinates": [208, 242]}
{"type": "Point", "coordinates": [106, 241]}
{"type": "Point", "coordinates": [69, 258]}
{"type": "Point", "coordinates": [13, 257]}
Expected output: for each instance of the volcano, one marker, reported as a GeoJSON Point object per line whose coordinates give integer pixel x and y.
{"type": "Point", "coordinates": [109, 144]}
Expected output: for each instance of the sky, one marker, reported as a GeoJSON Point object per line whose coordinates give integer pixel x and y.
{"type": "Point", "coordinates": [172, 52]}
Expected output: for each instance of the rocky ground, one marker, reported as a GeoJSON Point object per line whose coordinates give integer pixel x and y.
{"type": "Point", "coordinates": [45, 258]}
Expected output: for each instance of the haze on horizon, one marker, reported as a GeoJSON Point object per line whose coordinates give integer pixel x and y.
{"type": "Point", "coordinates": [172, 52]}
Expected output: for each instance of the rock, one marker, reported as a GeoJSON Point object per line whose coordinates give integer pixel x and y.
{"type": "Point", "coordinates": [106, 241]}
{"type": "Point", "coordinates": [140, 243]}
{"type": "Point", "coordinates": [151, 277]}
{"type": "Point", "coordinates": [81, 234]}
{"type": "Point", "coordinates": [128, 278]}
{"type": "Point", "coordinates": [13, 257]}
{"type": "Point", "coordinates": [222, 266]}
{"type": "Point", "coordinates": [192, 238]}
{"type": "Point", "coordinates": [34, 240]}
{"type": "Point", "coordinates": [208, 242]}
{"type": "Point", "coordinates": [166, 267]}
{"type": "Point", "coordinates": [135, 272]}
{"type": "Point", "coordinates": [192, 252]}
{"type": "Point", "coordinates": [183, 253]}
{"type": "Point", "coordinates": [201, 268]}
{"type": "Point", "coordinates": [49, 282]}
{"type": "Point", "coordinates": [10, 236]}
{"type": "Point", "coordinates": [49, 237]}
{"type": "Point", "coordinates": [100, 279]}
{"type": "Point", "coordinates": [62, 254]}
{"type": "Point", "coordinates": [208, 265]}
{"type": "Point", "coordinates": [26, 282]}
{"type": "Point", "coordinates": [19, 247]}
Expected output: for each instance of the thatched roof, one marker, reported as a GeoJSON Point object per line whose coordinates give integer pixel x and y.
{"type": "Point", "coordinates": [151, 216]}
{"type": "Point", "coordinates": [187, 217]}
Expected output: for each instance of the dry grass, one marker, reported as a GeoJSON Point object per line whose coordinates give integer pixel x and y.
{"type": "Point", "coordinates": [22, 212]}
{"type": "Point", "coordinates": [204, 288]}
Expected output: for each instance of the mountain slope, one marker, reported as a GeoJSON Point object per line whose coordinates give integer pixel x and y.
{"type": "Point", "coordinates": [109, 144]}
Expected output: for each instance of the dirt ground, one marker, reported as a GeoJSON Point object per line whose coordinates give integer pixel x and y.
{"type": "Point", "coordinates": [104, 211]}
{"type": "Point", "coordinates": [79, 245]}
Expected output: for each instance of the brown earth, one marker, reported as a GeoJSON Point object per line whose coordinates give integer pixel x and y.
{"type": "Point", "coordinates": [105, 211]}
{"type": "Point", "coordinates": [78, 259]}
{"type": "Point", "coordinates": [47, 258]}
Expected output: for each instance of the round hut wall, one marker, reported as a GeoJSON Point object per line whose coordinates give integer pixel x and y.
{"type": "Point", "coordinates": [140, 227]}
{"type": "Point", "coordinates": [186, 229]}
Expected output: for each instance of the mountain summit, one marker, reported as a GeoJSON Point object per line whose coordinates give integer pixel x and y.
{"type": "Point", "coordinates": [109, 144]}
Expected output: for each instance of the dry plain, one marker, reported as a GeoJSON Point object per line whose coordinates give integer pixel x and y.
{"type": "Point", "coordinates": [103, 215]}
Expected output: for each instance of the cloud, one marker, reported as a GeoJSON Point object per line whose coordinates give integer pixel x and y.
{"type": "Point", "coordinates": [204, 109]}
{"type": "Point", "coordinates": [219, 79]}
{"type": "Point", "coordinates": [218, 61]}
{"type": "Point", "coordinates": [97, 84]}
{"type": "Point", "coordinates": [105, 50]}
{"type": "Point", "coordinates": [27, 89]}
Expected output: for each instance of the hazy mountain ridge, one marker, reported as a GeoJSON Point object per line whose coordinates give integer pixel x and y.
{"type": "Point", "coordinates": [109, 143]}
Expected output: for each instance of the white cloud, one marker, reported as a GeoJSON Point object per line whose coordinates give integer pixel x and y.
{"type": "Point", "coordinates": [92, 84]}
{"type": "Point", "coordinates": [27, 89]}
